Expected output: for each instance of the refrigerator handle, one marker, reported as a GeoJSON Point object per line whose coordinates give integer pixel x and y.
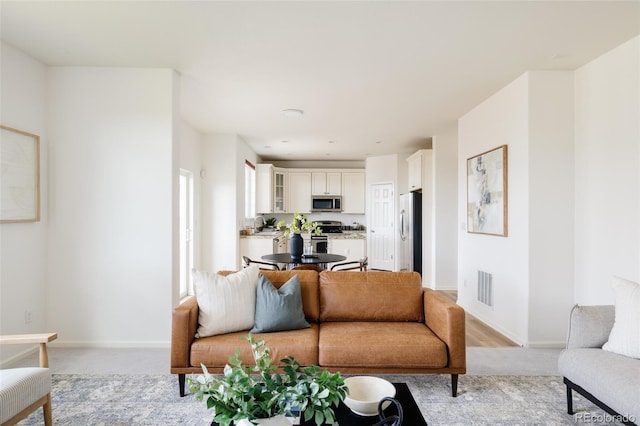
{"type": "Point", "coordinates": [403, 237]}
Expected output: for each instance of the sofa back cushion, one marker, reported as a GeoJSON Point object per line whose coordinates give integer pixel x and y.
{"type": "Point", "coordinates": [308, 286]}
{"type": "Point", "coordinates": [371, 296]}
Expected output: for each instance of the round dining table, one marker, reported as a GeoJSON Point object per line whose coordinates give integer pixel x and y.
{"type": "Point", "coordinates": [319, 259]}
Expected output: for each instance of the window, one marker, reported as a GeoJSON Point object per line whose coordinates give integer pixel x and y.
{"type": "Point", "coordinates": [249, 190]}
{"type": "Point", "coordinates": [186, 232]}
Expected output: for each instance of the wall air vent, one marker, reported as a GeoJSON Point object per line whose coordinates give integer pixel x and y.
{"type": "Point", "coordinates": [485, 288]}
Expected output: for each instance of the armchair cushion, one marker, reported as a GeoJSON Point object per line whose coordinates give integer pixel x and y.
{"type": "Point", "coordinates": [20, 388]}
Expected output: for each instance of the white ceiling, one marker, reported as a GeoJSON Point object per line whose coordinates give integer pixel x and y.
{"type": "Point", "coordinates": [372, 77]}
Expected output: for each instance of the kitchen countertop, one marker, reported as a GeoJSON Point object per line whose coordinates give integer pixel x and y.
{"type": "Point", "coordinates": [345, 235]}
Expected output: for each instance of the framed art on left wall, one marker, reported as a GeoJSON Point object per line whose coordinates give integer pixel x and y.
{"type": "Point", "coordinates": [19, 176]}
{"type": "Point", "coordinates": [487, 193]}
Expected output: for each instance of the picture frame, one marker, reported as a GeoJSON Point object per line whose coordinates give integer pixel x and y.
{"type": "Point", "coordinates": [487, 208]}
{"type": "Point", "coordinates": [19, 176]}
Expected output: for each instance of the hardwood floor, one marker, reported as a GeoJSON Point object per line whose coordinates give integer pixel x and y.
{"type": "Point", "coordinates": [478, 333]}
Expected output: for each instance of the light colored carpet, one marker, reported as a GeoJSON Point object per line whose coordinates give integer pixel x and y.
{"type": "Point", "coordinates": [509, 361]}
{"type": "Point", "coordinates": [117, 399]}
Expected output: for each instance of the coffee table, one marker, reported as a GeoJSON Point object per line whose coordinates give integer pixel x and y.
{"type": "Point", "coordinates": [411, 412]}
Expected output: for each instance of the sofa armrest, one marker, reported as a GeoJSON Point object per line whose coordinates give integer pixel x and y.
{"type": "Point", "coordinates": [184, 323]}
{"type": "Point", "coordinates": [590, 326]}
{"type": "Point", "coordinates": [447, 321]}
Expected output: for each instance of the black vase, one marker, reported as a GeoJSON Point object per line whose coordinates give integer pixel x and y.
{"type": "Point", "coordinates": [295, 246]}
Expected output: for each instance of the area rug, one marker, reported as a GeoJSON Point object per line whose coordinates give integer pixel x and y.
{"type": "Point", "coordinates": [482, 400]}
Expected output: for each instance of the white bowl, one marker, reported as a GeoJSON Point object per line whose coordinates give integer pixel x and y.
{"type": "Point", "coordinates": [365, 393]}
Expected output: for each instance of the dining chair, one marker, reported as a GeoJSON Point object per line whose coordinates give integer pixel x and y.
{"type": "Point", "coordinates": [24, 390]}
{"type": "Point", "coordinates": [310, 267]}
{"type": "Point", "coordinates": [246, 262]}
{"type": "Point", "coordinates": [352, 265]}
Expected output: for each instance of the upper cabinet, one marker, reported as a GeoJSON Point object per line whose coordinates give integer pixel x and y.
{"type": "Point", "coordinates": [299, 187]}
{"type": "Point", "coordinates": [415, 171]}
{"type": "Point", "coordinates": [279, 193]}
{"type": "Point", "coordinates": [353, 193]}
{"type": "Point", "coordinates": [280, 190]}
{"type": "Point", "coordinates": [264, 191]}
{"type": "Point", "coordinates": [326, 183]}
{"type": "Point", "coordinates": [270, 189]}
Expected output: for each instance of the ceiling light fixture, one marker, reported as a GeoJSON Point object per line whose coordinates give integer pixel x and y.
{"type": "Point", "coordinates": [292, 112]}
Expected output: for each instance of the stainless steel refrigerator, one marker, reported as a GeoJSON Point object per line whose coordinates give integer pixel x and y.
{"type": "Point", "coordinates": [410, 229]}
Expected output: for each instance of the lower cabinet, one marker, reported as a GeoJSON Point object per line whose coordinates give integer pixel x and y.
{"type": "Point", "coordinates": [255, 248]}
{"type": "Point", "coordinates": [353, 249]}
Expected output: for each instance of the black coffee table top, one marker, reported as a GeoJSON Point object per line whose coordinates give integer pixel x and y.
{"type": "Point", "coordinates": [411, 412]}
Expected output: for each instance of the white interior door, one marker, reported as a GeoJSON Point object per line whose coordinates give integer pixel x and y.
{"type": "Point", "coordinates": [381, 227]}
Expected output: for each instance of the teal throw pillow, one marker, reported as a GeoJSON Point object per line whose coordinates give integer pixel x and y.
{"type": "Point", "coordinates": [278, 309]}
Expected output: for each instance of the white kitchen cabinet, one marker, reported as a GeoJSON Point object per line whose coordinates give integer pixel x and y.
{"type": "Point", "coordinates": [353, 192]}
{"type": "Point", "coordinates": [415, 171]}
{"type": "Point", "coordinates": [353, 249]}
{"type": "Point", "coordinates": [279, 190]}
{"type": "Point", "coordinates": [326, 183]}
{"type": "Point", "coordinates": [299, 190]}
{"type": "Point", "coordinates": [255, 248]}
{"type": "Point", "coordinates": [264, 188]}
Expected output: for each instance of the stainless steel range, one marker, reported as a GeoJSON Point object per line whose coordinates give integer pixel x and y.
{"type": "Point", "coordinates": [319, 243]}
{"type": "Point", "coordinates": [330, 226]}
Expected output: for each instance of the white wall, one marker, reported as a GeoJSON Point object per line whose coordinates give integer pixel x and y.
{"type": "Point", "coordinates": [588, 173]}
{"type": "Point", "coordinates": [191, 160]}
{"type": "Point", "coordinates": [113, 181]}
{"type": "Point", "coordinates": [23, 252]}
{"type": "Point", "coordinates": [551, 208]}
{"type": "Point", "coordinates": [223, 200]}
{"type": "Point", "coordinates": [607, 173]}
{"type": "Point", "coordinates": [445, 160]}
{"type": "Point", "coordinates": [501, 119]}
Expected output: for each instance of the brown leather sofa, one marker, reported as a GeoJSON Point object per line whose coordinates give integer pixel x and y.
{"type": "Point", "coordinates": [369, 322]}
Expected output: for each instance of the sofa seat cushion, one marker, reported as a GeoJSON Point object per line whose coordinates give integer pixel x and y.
{"type": "Point", "coordinates": [380, 344]}
{"type": "Point", "coordinates": [613, 379]}
{"type": "Point", "coordinates": [215, 351]}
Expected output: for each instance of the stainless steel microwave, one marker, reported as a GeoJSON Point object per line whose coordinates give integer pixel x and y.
{"type": "Point", "coordinates": [326, 203]}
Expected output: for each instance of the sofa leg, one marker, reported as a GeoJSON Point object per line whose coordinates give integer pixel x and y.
{"type": "Point", "coordinates": [454, 385]}
{"type": "Point", "coordinates": [569, 400]}
{"type": "Point", "coordinates": [181, 378]}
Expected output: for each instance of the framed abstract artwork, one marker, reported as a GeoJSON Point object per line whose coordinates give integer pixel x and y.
{"type": "Point", "coordinates": [487, 192]}
{"type": "Point", "coordinates": [19, 176]}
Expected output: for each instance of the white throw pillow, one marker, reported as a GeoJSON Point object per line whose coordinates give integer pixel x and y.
{"type": "Point", "coordinates": [625, 334]}
{"type": "Point", "coordinates": [226, 304]}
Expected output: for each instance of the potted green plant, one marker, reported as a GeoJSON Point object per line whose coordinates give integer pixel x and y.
{"type": "Point", "coordinates": [251, 393]}
{"type": "Point", "coordinates": [270, 222]}
{"type": "Point", "coordinates": [293, 230]}
{"type": "Point", "coordinates": [299, 225]}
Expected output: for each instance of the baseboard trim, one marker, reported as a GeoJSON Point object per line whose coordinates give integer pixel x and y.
{"type": "Point", "coordinates": [547, 345]}
{"type": "Point", "coordinates": [496, 327]}
{"type": "Point", "coordinates": [9, 362]}
{"type": "Point", "coordinates": [111, 344]}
